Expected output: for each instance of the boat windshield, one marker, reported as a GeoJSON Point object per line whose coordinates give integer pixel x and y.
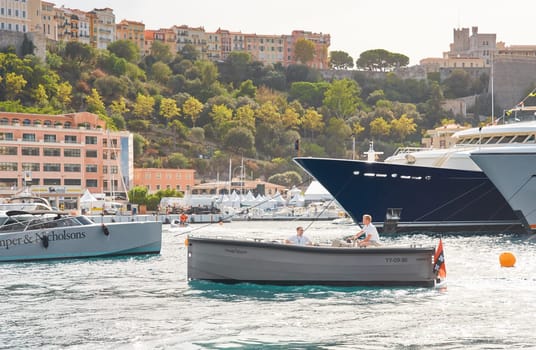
{"type": "Point", "coordinates": [28, 221]}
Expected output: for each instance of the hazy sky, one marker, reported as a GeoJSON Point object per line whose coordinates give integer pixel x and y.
{"type": "Point", "coordinates": [415, 28]}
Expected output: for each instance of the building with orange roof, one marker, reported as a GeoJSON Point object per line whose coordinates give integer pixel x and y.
{"type": "Point", "coordinates": [133, 31]}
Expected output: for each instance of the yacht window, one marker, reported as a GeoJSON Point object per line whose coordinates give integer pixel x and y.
{"type": "Point", "coordinates": [507, 139]}
{"type": "Point", "coordinates": [519, 138]}
{"type": "Point", "coordinates": [356, 172]}
{"type": "Point", "coordinates": [405, 177]}
{"type": "Point", "coordinates": [473, 141]}
{"type": "Point", "coordinates": [494, 139]}
{"type": "Point", "coordinates": [485, 140]}
{"type": "Point", "coordinates": [530, 139]}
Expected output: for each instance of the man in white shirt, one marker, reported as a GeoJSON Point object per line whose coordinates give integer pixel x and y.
{"type": "Point", "coordinates": [371, 234]}
{"type": "Point", "coordinates": [299, 238]}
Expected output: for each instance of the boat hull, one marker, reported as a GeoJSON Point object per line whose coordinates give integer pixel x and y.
{"type": "Point", "coordinates": [514, 174]}
{"type": "Point", "coordinates": [233, 261]}
{"type": "Point", "coordinates": [418, 194]}
{"type": "Point", "coordinates": [83, 241]}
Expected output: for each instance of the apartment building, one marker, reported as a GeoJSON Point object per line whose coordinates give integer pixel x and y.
{"type": "Point", "coordinates": [155, 179]}
{"type": "Point", "coordinates": [68, 152]}
{"type": "Point", "coordinates": [434, 64]}
{"type": "Point", "coordinates": [101, 27]}
{"type": "Point", "coordinates": [321, 42]}
{"type": "Point", "coordinates": [197, 37]}
{"type": "Point", "coordinates": [49, 23]}
{"type": "Point", "coordinates": [133, 31]}
{"type": "Point", "coordinates": [166, 36]}
{"type": "Point", "coordinates": [14, 14]}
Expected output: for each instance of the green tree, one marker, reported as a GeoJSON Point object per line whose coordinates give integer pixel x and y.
{"type": "Point", "coordinates": [189, 52]}
{"type": "Point", "coordinates": [379, 127]}
{"type": "Point", "coordinates": [403, 127]}
{"type": "Point", "coordinates": [304, 50]}
{"type": "Point", "coordinates": [336, 132]}
{"type": "Point", "coordinates": [119, 107]}
{"type": "Point", "coordinates": [161, 52]}
{"type": "Point", "coordinates": [126, 49]}
{"type": "Point", "coordinates": [169, 108]}
{"type": "Point", "coordinates": [64, 95]}
{"type": "Point", "coordinates": [381, 60]}
{"type": "Point", "coordinates": [160, 72]}
{"type": "Point", "coordinates": [245, 117]}
{"type": "Point", "coordinates": [287, 179]}
{"type": "Point", "coordinates": [138, 195]}
{"type": "Point", "coordinates": [342, 98]}
{"type": "Point", "coordinates": [178, 160]}
{"type": "Point", "coordinates": [40, 96]}
{"type": "Point", "coordinates": [239, 140]}
{"type": "Point", "coordinates": [247, 89]}
{"type": "Point", "coordinates": [94, 103]}
{"type": "Point", "coordinates": [144, 106]}
{"type": "Point", "coordinates": [340, 60]}
{"type": "Point", "coordinates": [312, 121]}
{"type": "Point", "coordinates": [15, 84]}
{"type": "Point", "coordinates": [192, 108]}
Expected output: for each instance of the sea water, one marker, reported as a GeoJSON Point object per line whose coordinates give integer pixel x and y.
{"type": "Point", "coordinates": [145, 302]}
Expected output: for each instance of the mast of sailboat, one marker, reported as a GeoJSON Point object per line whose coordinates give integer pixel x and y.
{"type": "Point", "coordinates": [492, 95]}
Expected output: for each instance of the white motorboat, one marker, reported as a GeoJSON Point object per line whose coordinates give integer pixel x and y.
{"type": "Point", "coordinates": [53, 235]}
{"type": "Point", "coordinates": [254, 261]}
{"type": "Point", "coordinates": [25, 202]}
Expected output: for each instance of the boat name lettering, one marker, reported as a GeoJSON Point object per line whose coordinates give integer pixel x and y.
{"type": "Point", "coordinates": [396, 260]}
{"type": "Point", "coordinates": [63, 236]}
{"type": "Point", "coordinates": [8, 242]}
{"type": "Point", "coordinates": [236, 251]}
{"type": "Point", "coordinates": [37, 237]}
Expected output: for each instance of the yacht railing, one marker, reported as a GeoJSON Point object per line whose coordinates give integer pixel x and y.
{"type": "Point", "coordinates": [405, 150]}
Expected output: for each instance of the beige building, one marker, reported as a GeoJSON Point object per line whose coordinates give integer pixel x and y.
{"type": "Point", "coordinates": [15, 15]}
{"type": "Point", "coordinates": [101, 27]}
{"type": "Point", "coordinates": [441, 137]}
{"type": "Point", "coordinates": [433, 64]}
{"type": "Point", "coordinates": [133, 31]}
{"type": "Point", "coordinates": [48, 20]}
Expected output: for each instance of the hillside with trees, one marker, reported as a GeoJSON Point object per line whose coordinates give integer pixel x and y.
{"type": "Point", "coordinates": [188, 112]}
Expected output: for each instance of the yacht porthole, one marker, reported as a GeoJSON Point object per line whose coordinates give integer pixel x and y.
{"type": "Point", "coordinates": [356, 172]}
{"type": "Point", "coordinates": [428, 177]}
{"type": "Point", "coordinates": [394, 175]}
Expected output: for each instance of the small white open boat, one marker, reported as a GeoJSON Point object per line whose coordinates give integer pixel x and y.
{"type": "Point", "coordinates": [232, 261]}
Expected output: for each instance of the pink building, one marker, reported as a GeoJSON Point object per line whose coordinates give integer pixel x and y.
{"type": "Point", "coordinates": [155, 179]}
{"type": "Point", "coordinates": [64, 153]}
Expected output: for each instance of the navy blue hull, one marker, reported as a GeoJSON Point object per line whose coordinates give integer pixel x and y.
{"type": "Point", "coordinates": [423, 194]}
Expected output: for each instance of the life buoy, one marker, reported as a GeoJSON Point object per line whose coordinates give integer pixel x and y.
{"type": "Point", "coordinates": [105, 230]}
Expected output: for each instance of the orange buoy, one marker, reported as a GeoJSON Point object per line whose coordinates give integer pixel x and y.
{"type": "Point", "coordinates": [186, 242]}
{"type": "Point", "coordinates": [507, 259]}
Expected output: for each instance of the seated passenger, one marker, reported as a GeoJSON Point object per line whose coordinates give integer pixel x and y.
{"type": "Point", "coordinates": [299, 238]}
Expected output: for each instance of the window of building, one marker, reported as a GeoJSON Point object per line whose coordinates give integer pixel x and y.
{"type": "Point", "coordinates": [67, 125]}
{"type": "Point", "coordinates": [4, 121]}
{"type": "Point", "coordinates": [158, 176]}
{"type": "Point", "coordinates": [6, 136]}
{"type": "Point", "coordinates": [51, 152]}
{"type": "Point", "coordinates": [105, 169]}
{"type": "Point", "coordinates": [91, 140]}
{"type": "Point", "coordinates": [53, 182]}
{"type": "Point", "coordinates": [51, 167]}
{"type": "Point", "coordinates": [30, 151]}
{"type": "Point", "coordinates": [158, 187]}
{"type": "Point", "coordinates": [8, 166]}
{"type": "Point", "coordinates": [71, 168]}
{"type": "Point", "coordinates": [31, 167]}
{"type": "Point", "coordinates": [178, 187]}
{"type": "Point", "coordinates": [114, 169]}
{"type": "Point", "coordinates": [73, 153]}
{"type": "Point", "coordinates": [178, 176]}
{"type": "Point", "coordinates": [72, 182]}
{"type": "Point", "coordinates": [91, 168]}
{"type": "Point", "coordinates": [47, 123]}
{"type": "Point", "coordinates": [70, 139]}
{"type": "Point", "coordinates": [91, 183]}
{"type": "Point", "coordinates": [91, 153]}
{"type": "Point", "coordinates": [28, 137]}
{"type": "Point", "coordinates": [8, 151]}
{"type": "Point", "coordinates": [50, 138]}
{"type": "Point", "coordinates": [26, 122]}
